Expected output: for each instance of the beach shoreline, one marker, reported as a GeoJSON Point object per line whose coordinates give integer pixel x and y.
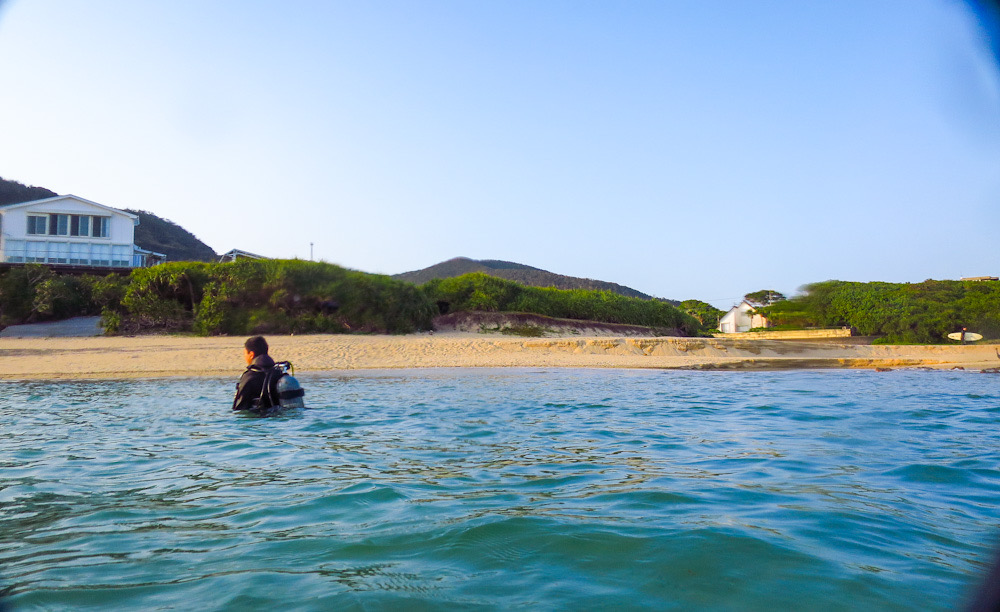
{"type": "Point", "coordinates": [157, 356]}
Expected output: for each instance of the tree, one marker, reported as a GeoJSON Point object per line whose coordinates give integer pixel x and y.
{"type": "Point", "coordinates": [764, 297]}
{"type": "Point", "coordinates": [706, 314]}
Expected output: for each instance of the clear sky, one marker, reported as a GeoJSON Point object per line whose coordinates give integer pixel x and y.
{"type": "Point", "coordinates": [686, 149]}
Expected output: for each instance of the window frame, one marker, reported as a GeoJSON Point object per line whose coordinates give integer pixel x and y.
{"type": "Point", "coordinates": [100, 226]}
{"type": "Point", "coordinates": [68, 224]}
{"type": "Point", "coordinates": [34, 220]}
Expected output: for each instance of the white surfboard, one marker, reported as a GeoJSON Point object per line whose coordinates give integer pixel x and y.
{"type": "Point", "coordinates": [969, 336]}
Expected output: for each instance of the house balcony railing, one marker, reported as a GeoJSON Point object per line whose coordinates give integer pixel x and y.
{"type": "Point", "coordinates": [135, 259]}
{"type": "Point", "coordinates": [23, 257]}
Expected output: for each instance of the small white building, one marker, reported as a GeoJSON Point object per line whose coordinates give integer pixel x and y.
{"type": "Point", "coordinates": [69, 230]}
{"type": "Point", "coordinates": [235, 254]}
{"type": "Point", "coordinates": [741, 318]}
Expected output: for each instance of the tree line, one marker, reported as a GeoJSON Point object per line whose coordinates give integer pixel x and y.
{"type": "Point", "coordinates": [294, 296]}
{"type": "Point", "coordinates": [896, 312]}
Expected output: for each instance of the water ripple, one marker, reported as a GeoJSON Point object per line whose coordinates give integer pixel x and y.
{"type": "Point", "coordinates": [503, 489]}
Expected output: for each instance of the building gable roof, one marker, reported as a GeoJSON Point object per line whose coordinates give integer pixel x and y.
{"type": "Point", "coordinates": [235, 254]}
{"type": "Point", "coordinates": [737, 307]}
{"type": "Point", "coordinates": [69, 197]}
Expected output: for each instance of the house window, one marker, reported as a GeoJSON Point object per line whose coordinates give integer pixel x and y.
{"type": "Point", "coordinates": [120, 256]}
{"type": "Point", "coordinates": [38, 224]}
{"type": "Point", "coordinates": [58, 252]}
{"type": "Point", "coordinates": [101, 226]}
{"type": "Point", "coordinates": [79, 225]}
{"type": "Point", "coordinates": [35, 252]}
{"type": "Point", "coordinates": [91, 226]}
{"type": "Point", "coordinates": [100, 255]}
{"type": "Point", "coordinates": [79, 253]}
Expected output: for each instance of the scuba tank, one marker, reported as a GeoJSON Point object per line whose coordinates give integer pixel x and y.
{"type": "Point", "coordinates": [281, 389]}
{"type": "Point", "coordinates": [290, 393]}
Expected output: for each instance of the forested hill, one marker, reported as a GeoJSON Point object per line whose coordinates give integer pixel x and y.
{"type": "Point", "coordinates": [164, 236]}
{"type": "Point", "coordinates": [12, 192]}
{"type": "Point", "coordinates": [153, 233]}
{"type": "Point", "coordinates": [526, 275]}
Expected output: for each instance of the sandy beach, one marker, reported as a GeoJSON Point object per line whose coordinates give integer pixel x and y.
{"type": "Point", "coordinates": [161, 356]}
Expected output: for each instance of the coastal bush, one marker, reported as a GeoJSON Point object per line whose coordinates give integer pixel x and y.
{"type": "Point", "coordinates": [35, 292]}
{"type": "Point", "coordinates": [478, 291]}
{"type": "Point", "coordinates": [62, 297]}
{"type": "Point", "coordinates": [273, 296]}
{"type": "Point", "coordinates": [705, 313]}
{"type": "Point", "coordinates": [164, 297]}
{"type": "Point", "coordinates": [17, 292]}
{"type": "Point", "coordinates": [242, 297]}
{"type": "Point", "coordinates": [903, 313]}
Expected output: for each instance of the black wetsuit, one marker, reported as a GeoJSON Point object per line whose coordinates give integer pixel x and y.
{"type": "Point", "coordinates": [252, 383]}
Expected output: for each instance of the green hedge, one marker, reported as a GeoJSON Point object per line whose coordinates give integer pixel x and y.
{"type": "Point", "coordinates": [292, 296]}
{"type": "Point", "coordinates": [478, 291]}
{"type": "Point", "coordinates": [900, 312]}
{"type": "Point", "coordinates": [34, 293]}
{"type": "Point", "coordinates": [272, 296]}
{"type": "Point", "coordinates": [705, 313]}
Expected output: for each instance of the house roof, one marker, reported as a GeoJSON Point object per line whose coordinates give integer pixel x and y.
{"type": "Point", "coordinates": [69, 197]}
{"type": "Point", "coordinates": [234, 253]}
{"type": "Point", "coordinates": [742, 303]}
{"type": "Point", "coordinates": [139, 249]}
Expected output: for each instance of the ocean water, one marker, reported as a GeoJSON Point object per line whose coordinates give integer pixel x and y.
{"type": "Point", "coordinates": [504, 489]}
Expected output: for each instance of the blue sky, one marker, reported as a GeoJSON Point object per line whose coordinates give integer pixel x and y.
{"type": "Point", "coordinates": [686, 149]}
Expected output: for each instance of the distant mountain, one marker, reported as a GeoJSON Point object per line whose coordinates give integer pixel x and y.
{"type": "Point", "coordinates": [152, 233]}
{"type": "Point", "coordinates": [527, 275]}
{"type": "Point", "coordinates": [164, 236]}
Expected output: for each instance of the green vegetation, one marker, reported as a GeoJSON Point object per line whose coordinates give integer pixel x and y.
{"type": "Point", "coordinates": [271, 296]}
{"type": "Point", "coordinates": [244, 297]}
{"type": "Point", "coordinates": [35, 293]}
{"type": "Point", "coordinates": [519, 273]}
{"type": "Point", "coordinates": [292, 296]}
{"type": "Point", "coordinates": [764, 297]}
{"type": "Point", "coordinates": [478, 291]}
{"type": "Point", "coordinates": [527, 330]}
{"type": "Point", "coordinates": [901, 313]}
{"type": "Point", "coordinates": [706, 314]}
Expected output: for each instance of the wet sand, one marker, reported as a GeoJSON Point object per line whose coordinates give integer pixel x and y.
{"type": "Point", "coordinates": [159, 356]}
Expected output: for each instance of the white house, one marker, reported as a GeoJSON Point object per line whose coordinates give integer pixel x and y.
{"type": "Point", "coordinates": [741, 318]}
{"type": "Point", "coordinates": [70, 230]}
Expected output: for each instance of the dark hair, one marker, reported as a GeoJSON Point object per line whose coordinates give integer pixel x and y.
{"type": "Point", "coordinates": [256, 345]}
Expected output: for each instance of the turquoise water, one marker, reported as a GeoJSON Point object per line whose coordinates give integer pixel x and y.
{"type": "Point", "coordinates": [504, 489]}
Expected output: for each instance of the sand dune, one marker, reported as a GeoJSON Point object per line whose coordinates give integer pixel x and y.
{"type": "Point", "coordinates": [154, 356]}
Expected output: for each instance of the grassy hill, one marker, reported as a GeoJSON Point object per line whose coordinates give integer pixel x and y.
{"type": "Point", "coordinates": [526, 275]}
{"type": "Point", "coordinates": [152, 233]}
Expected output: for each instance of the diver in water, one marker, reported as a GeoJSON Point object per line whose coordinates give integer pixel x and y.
{"type": "Point", "coordinates": [265, 384]}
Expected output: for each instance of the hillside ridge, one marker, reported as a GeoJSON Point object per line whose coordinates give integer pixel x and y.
{"type": "Point", "coordinates": [521, 273]}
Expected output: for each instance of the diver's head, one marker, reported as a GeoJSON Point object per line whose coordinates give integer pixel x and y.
{"type": "Point", "coordinates": [254, 347]}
